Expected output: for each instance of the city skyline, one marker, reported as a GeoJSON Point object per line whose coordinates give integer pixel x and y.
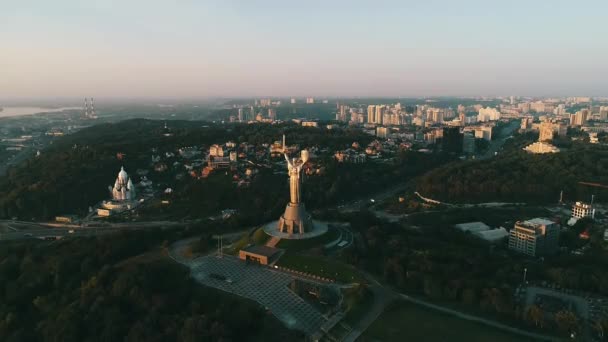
{"type": "Point", "coordinates": [241, 49]}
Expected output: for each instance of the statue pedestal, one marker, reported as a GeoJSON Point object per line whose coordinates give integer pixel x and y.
{"type": "Point", "coordinates": [295, 219]}
{"type": "Point", "coordinates": [318, 228]}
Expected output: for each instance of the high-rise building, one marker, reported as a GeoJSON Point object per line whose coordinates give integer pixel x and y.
{"type": "Point", "coordinates": [526, 123]}
{"type": "Point", "coordinates": [546, 130]}
{"type": "Point", "coordinates": [240, 115]}
{"type": "Point", "coordinates": [272, 114]}
{"type": "Point", "coordinates": [342, 113]}
{"type": "Point", "coordinates": [382, 132]}
{"type": "Point", "coordinates": [379, 114]}
{"type": "Point", "coordinates": [579, 118]}
{"type": "Point", "coordinates": [386, 118]}
{"type": "Point", "coordinates": [310, 100]}
{"type": "Point", "coordinates": [560, 109]}
{"type": "Point", "coordinates": [293, 100]}
{"type": "Point", "coordinates": [468, 143]}
{"type": "Point", "coordinates": [534, 237]}
{"type": "Point", "coordinates": [452, 140]}
{"type": "Point", "coordinates": [603, 113]}
{"type": "Point", "coordinates": [538, 106]}
{"type": "Point", "coordinates": [371, 112]}
{"type": "Point", "coordinates": [484, 132]}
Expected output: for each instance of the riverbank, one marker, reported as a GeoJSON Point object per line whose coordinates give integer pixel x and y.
{"type": "Point", "coordinates": [22, 111]}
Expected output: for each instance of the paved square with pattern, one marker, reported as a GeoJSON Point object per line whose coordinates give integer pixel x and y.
{"type": "Point", "coordinates": [266, 286]}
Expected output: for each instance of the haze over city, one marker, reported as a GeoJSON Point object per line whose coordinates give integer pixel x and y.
{"type": "Point", "coordinates": [337, 48]}
{"type": "Point", "coordinates": [328, 171]}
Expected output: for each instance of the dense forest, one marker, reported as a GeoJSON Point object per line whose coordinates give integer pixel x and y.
{"type": "Point", "coordinates": [265, 198]}
{"type": "Point", "coordinates": [75, 172]}
{"type": "Point", "coordinates": [517, 176]}
{"type": "Point", "coordinates": [118, 288]}
{"type": "Point", "coordinates": [449, 266]}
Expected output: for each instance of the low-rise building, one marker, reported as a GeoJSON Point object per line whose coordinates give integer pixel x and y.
{"type": "Point", "coordinates": [263, 255]}
{"type": "Point", "coordinates": [472, 227]}
{"type": "Point", "coordinates": [492, 235]}
{"type": "Point", "coordinates": [483, 231]}
{"type": "Point", "coordinates": [541, 147]}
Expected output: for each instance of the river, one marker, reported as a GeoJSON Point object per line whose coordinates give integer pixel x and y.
{"type": "Point", "coordinates": [19, 111]}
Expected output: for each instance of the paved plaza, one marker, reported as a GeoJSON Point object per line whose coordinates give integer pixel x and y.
{"type": "Point", "coordinates": [264, 285]}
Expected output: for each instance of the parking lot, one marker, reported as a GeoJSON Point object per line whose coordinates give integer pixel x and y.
{"type": "Point", "coordinates": [264, 285]}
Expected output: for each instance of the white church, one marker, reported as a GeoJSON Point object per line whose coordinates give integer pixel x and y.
{"type": "Point", "coordinates": [123, 189]}
{"type": "Point", "coordinates": [123, 196]}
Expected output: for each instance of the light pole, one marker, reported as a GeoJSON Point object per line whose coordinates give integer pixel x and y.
{"type": "Point", "coordinates": [525, 273]}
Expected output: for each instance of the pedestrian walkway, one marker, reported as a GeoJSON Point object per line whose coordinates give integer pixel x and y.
{"type": "Point", "coordinates": [273, 241]}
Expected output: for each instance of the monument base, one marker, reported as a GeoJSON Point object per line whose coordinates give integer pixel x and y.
{"type": "Point", "coordinates": [318, 229]}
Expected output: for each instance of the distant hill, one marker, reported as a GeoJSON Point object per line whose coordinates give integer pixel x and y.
{"type": "Point", "coordinates": [517, 176]}
{"type": "Point", "coordinates": [75, 172]}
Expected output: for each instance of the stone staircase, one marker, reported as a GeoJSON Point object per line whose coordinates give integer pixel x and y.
{"type": "Point", "coordinates": [273, 241]}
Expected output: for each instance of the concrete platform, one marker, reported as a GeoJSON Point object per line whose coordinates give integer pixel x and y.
{"type": "Point", "coordinates": [319, 228]}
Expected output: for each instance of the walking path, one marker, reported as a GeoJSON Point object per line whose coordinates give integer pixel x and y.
{"type": "Point", "coordinates": [477, 319]}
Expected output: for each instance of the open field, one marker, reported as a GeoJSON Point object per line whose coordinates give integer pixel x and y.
{"type": "Point", "coordinates": [406, 321]}
{"type": "Point", "coordinates": [320, 266]}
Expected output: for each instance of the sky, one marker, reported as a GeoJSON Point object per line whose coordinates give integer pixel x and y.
{"type": "Point", "coordinates": [230, 48]}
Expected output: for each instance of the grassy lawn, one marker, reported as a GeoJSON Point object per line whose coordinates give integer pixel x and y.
{"type": "Point", "coordinates": [491, 216]}
{"type": "Point", "coordinates": [320, 266]}
{"type": "Point", "coordinates": [318, 241]}
{"type": "Point", "coordinates": [240, 244]}
{"type": "Point", "coordinates": [406, 321]}
{"type": "Point", "coordinates": [260, 237]}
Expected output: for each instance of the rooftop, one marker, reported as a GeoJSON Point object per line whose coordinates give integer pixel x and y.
{"type": "Point", "coordinates": [472, 227]}
{"type": "Point", "coordinates": [541, 221]}
{"type": "Point", "coordinates": [493, 234]}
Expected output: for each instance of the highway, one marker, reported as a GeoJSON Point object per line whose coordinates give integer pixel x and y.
{"type": "Point", "coordinates": [15, 230]}
{"type": "Point", "coordinates": [496, 144]}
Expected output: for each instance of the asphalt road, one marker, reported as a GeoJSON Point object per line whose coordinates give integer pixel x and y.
{"type": "Point", "coordinates": [495, 145]}
{"type": "Point", "coordinates": [15, 230]}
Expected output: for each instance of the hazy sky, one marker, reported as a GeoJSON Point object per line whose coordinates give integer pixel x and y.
{"type": "Point", "coordinates": [188, 48]}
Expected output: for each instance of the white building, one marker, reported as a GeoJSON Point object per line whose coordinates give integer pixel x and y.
{"type": "Point", "coordinates": [581, 210]}
{"type": "Point", "coordinates": [492, 235]}
{"type": "Point", "coordinates": [484, 132]}
{"type": "Point", "coordinates": [488, 114]}
{"type": "Point", "coordinates": [123, 189]}
{"type": "Point", "coordinates": [472, 227]}
{"type": "Point", "coordinates": [483, 231]}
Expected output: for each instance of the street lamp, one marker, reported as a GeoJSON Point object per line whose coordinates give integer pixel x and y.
{"type": "Point", "coordinates": [525, 273]}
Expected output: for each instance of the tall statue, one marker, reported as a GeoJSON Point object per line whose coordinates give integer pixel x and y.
{"type": "Point", "coordinates": [294, 179]}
